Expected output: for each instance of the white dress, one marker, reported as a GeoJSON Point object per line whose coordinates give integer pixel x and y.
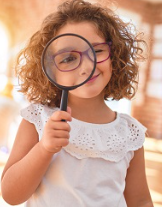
{"type": "Point", "coordinates": [91, 170]}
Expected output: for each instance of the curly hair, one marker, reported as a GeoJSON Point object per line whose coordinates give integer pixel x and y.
{"type": "Point", "coordinates": [126, 51]}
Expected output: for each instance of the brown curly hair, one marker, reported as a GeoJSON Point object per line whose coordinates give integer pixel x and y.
{"type": "Point", "coordinates": [125, 52]}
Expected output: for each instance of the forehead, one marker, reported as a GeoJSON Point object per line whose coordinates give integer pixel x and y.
{"type": "Point", "coordinates": [85, 29]}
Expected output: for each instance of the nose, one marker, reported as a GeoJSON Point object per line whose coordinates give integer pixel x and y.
{"type": "Point", "coordinates": [86, 66]}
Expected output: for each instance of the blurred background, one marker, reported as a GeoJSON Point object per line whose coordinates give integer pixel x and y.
{"type": "Point", "coordinates": [20, 19]}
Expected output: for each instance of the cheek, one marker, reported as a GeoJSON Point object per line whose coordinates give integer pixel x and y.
{"type": "Point", "coordinates": [106, 69]}
{"type": "Point", "coordinates": [65, 79]}
{"type": "Point", "coordinates": [85, 92]}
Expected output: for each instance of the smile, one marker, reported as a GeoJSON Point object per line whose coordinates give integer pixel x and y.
{"type": "Point", "coordinates": [93, 78]}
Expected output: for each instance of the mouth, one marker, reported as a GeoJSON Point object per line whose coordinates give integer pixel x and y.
{"type": "Point", "coordinates": [93, 78]}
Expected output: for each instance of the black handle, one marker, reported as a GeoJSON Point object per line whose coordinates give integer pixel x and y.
{"type": "Point", "coordinates": [64, 100]}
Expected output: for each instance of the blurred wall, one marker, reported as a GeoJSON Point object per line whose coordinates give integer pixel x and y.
{"type": "Point", "coordinates": [22, 19]}
{"type": "Point", "coordinates": [147, 106]}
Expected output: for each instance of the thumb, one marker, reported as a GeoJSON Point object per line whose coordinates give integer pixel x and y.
{"type": "Point", "coordinates": [69, 110]}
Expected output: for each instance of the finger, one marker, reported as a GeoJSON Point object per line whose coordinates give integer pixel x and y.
{"type": "Point", "coordinates": [69, 110]}
{"type": "Point", "coordinates": [62, 142]}
{"type": "Point", "coordinates": [59, 143]}
{"type": "Point", "coordinates": [60, 134]}
{"type": "Point", "coordinates": [61, 115]}
{"type": "Point", "coordinates": [59, 126]}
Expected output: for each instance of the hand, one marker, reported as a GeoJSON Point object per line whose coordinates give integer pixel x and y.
{"type": "Point", "coordinates": [56, 132]}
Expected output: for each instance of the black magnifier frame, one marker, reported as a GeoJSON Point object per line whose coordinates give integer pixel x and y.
{"type": "Point", "coordinates": [65, 89]}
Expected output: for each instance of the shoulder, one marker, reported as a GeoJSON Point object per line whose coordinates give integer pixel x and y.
{"type": "Point", "coordinates": [38, 115]}
{"type": "Point", "coordinates": [134, 131]}
{"type": "Point", "coordinates": [133, 124]}
{"type": "Point", "coordinates": [36, 111]}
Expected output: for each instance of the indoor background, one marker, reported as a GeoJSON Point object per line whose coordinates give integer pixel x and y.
{"type": "Point", "coordinates": [20, 19]}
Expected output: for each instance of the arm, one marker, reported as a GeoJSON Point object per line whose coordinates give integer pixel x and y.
{"type": "Point", "coordinates": [29, 158]}
{"type": "Point", "coordinates": [136, 190]}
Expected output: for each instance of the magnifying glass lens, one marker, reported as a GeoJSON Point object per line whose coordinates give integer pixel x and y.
{"type": "Point", "coordinates": [68, 61]}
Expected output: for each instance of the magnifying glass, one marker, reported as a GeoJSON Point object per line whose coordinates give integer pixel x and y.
{"type": "Point", "coordinates": [68, 61]}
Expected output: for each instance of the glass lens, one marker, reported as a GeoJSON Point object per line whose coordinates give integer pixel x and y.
{"type": "Point", "coordinates": [102, 51]}
{"type": "Point", "coordinates": [66, 61]}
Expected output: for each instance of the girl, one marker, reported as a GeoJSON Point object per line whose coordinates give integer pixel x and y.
{"type": "Point", "coordinates": [96, 158]}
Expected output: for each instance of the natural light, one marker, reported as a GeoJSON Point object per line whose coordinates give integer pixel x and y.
{"type": "Point", "coordinates": [4, 46]}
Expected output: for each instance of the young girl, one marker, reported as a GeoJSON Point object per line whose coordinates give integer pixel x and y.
{"type": "Point", "coordinates": [96, 158]}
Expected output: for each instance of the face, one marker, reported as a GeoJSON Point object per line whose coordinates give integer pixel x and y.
{"type": "Point", "coordinates": [95, 86]}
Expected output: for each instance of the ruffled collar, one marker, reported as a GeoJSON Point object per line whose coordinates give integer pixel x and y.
{"type": "Point", "coordinates": [109, 141]}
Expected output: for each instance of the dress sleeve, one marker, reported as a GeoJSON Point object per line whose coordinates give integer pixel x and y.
{"type": "Point", "coordinates": [136, 133]}
{"type": "Point", "coordinates": [33, 114]}
{"type": "Point", "coordinates": [38, 115]}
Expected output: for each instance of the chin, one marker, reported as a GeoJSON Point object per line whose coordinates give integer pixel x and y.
{"type": "Point", "coordinates": [86, 94]}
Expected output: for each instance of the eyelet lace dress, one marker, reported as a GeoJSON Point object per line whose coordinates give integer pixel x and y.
{"type": "Point", "coordinates": [91, 169]}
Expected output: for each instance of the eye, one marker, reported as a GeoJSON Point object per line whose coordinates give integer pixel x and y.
{"type": "Point", "coordinates": [68, 59]}
{"type": "Point", "coordinates": [98, 51]}
{"type": "Point", "coordinates": [100, 48]}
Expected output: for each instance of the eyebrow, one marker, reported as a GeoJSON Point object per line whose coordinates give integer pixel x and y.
{"type": "Point", "coordinates": [95, 43]}
{"type": "Point", "coordinates": [66, 49]}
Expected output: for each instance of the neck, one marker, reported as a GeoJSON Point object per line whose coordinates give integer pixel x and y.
{"type": "Point", "coordinates": [93, 110]}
